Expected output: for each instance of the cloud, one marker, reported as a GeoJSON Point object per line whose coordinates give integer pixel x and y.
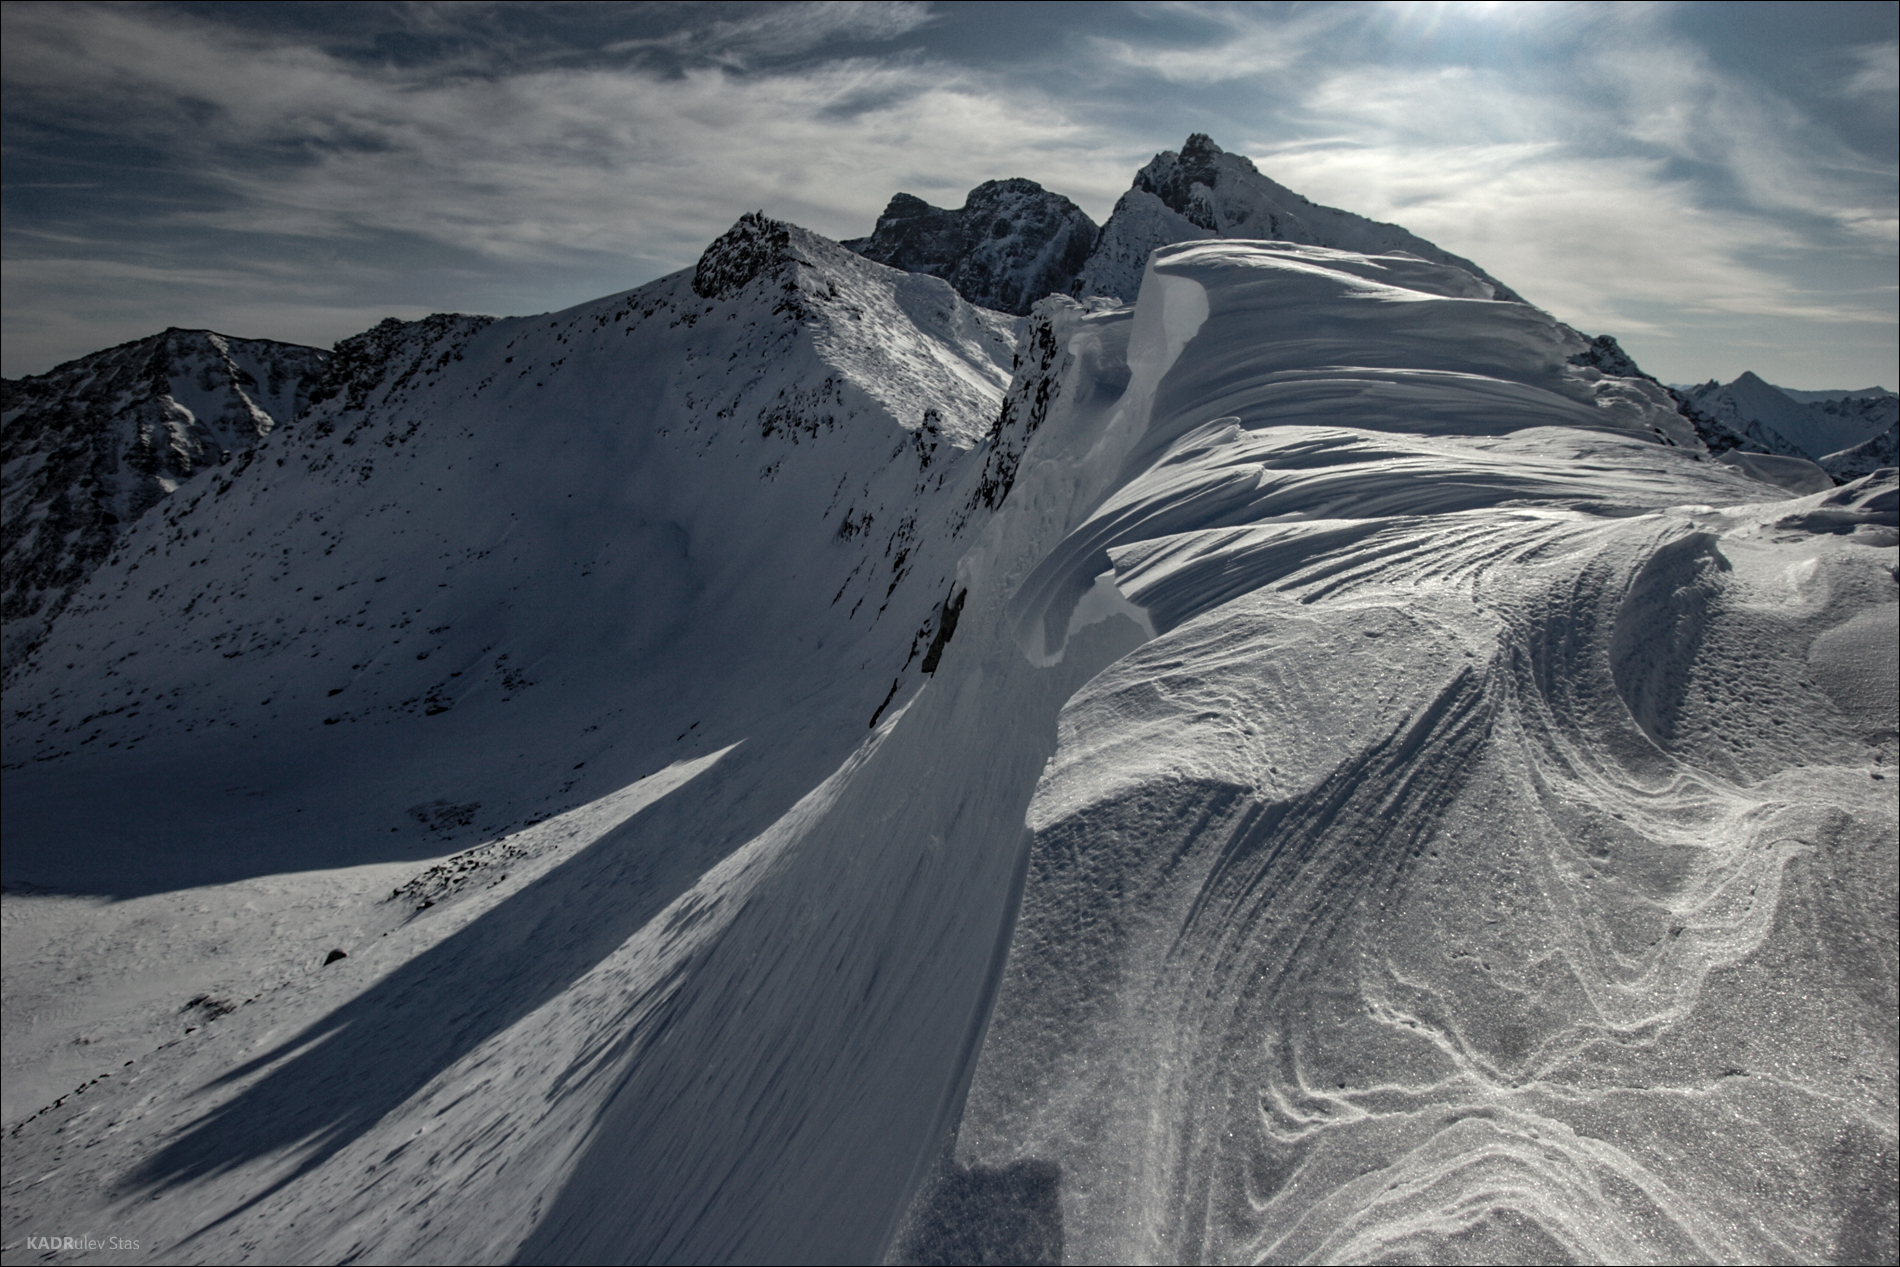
{"type": "Point", "coordinates": [784, 31]}
{"type": "Point", "coordinates": [1876, 71]}
{"type": "Point", "coordinates": [1667, 97]}
{"type": "Point", "coordinates": [506, 157]}
{"type": "Point", "coordinates": [1597, 241]}
{"type": "Point", "coordinates": [542, 161]}
{"type": "Point", "coordinates": [1233, 43]}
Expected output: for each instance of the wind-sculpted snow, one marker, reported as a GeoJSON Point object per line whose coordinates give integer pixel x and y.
{"type": "Point", "coordinates": [1346, 776]}
{"type": "Point", "coordinates": [1359, 387]}
{"type": "Point", "coordinates": [1489, 860]}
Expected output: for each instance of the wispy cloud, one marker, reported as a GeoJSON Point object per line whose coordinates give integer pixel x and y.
{"type": "Point", "coordinates": [1876, 71]}
{"type": "Point", "coordinates": [783, 32]}
{"type": "Point", "coordinates": [601, 158]}
{"type": "Point", "coordinates": [1219, 43]}
{"type": "Point", "coordinates": [1599, 241]}
{"type": "Point", "coordinates": [501, 156]}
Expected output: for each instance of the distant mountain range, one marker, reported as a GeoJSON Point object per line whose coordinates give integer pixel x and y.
{"type": "Point", "coordinates": [1849, 433]}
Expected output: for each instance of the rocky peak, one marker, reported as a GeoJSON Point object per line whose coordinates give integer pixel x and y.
{"type": "Point", "coordinates": [1011, 243]}
{"type": "Point", "coordinates": [754, 245]}
{"type": "Point", "coordinates": [1184, 181]}
{"type": "Point", "coordinates": [1203, 191]}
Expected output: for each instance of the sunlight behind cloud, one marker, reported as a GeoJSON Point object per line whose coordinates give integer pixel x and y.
{"type": "Point", "coordinates": [1609, 160]}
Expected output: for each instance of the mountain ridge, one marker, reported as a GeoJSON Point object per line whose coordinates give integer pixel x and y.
{"type": "Point", "coordinates": [786, 763]}
{"type": "Point", "coordinates": [97, 441]}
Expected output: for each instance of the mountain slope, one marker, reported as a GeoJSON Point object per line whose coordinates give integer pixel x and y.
{"type": "Point", "coordinates": [1415, 893]}
{"type": "Point", "coordinates": [1778, 423]}
{"type": "Point", "coordinates": [1204, 192]}
{"type": "Point", "coordinates": [483, 501]}
{"type": "Point", "coordinates": [1317, 764]}
{"type": "Point", "coordinates": [93, 444]}
{"type": "Point", "coordinates": [1875, 454]}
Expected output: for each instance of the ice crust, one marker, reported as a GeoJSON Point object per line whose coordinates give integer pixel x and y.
{"type": "Point", "coordinates": [1389, 795]}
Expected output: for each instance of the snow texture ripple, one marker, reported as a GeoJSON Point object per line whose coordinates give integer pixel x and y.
{"type": "Point", "coordinates": [786, 764]}
{"type": "Point", "coordinates": [1486, 861]}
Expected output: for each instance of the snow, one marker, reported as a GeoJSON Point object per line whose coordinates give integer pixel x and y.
{"type": "Point", "coordinates": [1797, 475]}
{"type": "Point", "coordinates": [96, 442]}
{"type": "Point", "coordinates": [1415, 892]}
{"type": "Point", "coordinates": [1388, 793]}
{"type": "Point", "coordinates": [1139, 223]}
{"type": "Point", "coordinates": [1203, 192]}
{"type": "Point", "coordinates": [1876, 454]}
{"type": "Point", "coordinates": [1810, 425]}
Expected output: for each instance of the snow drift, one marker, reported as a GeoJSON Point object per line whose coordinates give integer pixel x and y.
{"type": "Point", "coordinates": [1309, 766]}
{"type": "Point", "coordinates": [1425, 889]}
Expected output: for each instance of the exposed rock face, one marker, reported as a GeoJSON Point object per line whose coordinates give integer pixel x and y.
{"type": "Point", "coordinates": [1607, 356]}
{"type": "Point", "coordinates": [363, 363]}
{"type": "Point", "coordinates": [1866, 457]}
{"type": "Point", "coordinates": [1205, 192]}
{"type": "Point", "coordinates": [753, 245]}
{"type": "Point", "coordinates": [96, 442]}
{"type": "Point", "coordinates": [1011, 243]}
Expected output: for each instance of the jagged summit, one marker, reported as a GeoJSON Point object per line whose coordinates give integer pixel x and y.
{"type": "Point", "coordinates": [1202, 191]}
{"type": "Point", "coordinates": [1012, 242]}
{"type": "Point", "coordinates": [1008, 245]}
{"type": "Point", "coordinates": [754, 245]}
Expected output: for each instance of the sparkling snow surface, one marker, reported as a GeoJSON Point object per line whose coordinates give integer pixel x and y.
{"type": "Point", "coordinates": [1388, 795]}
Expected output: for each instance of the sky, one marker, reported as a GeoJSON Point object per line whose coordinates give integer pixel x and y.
{"type": "Point", "coordinates": [1713, 184]}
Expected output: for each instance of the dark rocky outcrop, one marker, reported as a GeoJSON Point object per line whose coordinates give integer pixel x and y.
{"type": "Point", "coordinates": [1008, 245]}
{"type": "Point", "coordinates": [1012, 242]}
{"type": "Point", "coordinates": [755, 244]}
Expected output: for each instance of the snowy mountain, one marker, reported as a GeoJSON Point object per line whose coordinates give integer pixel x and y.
{"type": "Point", "coordinates": [93, 444]}
{"type": "Point", "coordinates": [1205, 192]}
{"type": "Point", "coordinates": [1011, 243]}
{"type": "Point", "coordinates": [1774, 420]}
{"type": "Point", "coordinates": [782, 763]}
{"type": "Point", "coordinates": [1833, 394]}
{"type": "Point", "coordinates": [1865, 458]}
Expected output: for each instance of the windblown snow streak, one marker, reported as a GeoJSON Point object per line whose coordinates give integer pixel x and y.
{"type": "Point", "coordinates": [1317, 766]}
{"type": "Point", "coordinates": [1479, 865]}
